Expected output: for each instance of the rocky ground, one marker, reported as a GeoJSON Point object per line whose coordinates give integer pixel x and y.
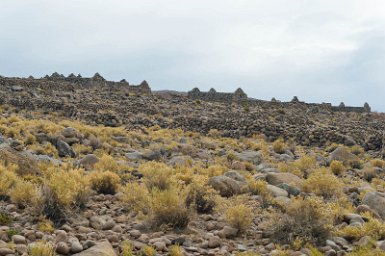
{"type": "Point", "coordinates": [111, 174]}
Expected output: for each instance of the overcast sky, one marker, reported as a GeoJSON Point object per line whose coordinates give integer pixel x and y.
{"type": "Point", "coordinates": [321, 51]}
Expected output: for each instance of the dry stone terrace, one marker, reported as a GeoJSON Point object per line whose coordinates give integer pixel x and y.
{"type": "Point", "coordinates": [97, 101]}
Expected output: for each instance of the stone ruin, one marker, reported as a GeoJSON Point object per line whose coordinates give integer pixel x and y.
{"type": "Point", "coordinates": [59, 82]}
{"type": "Point", "coordinates": [240, 96]}
{"type": "Point", "coordinates": [213, 95]}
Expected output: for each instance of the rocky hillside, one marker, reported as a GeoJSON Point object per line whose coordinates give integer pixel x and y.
{"type": "Point", "coordinates": [100, 170]}
{"type": "Point", "coordinates": [97, 101]}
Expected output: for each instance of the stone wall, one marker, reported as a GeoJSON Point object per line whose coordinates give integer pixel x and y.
{"type": "Point", "coordinates": [213, 95]}
{"type": "Point", "coordinates": [57, 82]}
{"type": "Point", "coordinates": [239, 95]}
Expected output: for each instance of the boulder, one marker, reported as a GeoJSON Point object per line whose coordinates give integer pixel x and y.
{"type": "Point", "coordinates": [100, 249]}
{"type": "Point", "coordinates": [180, 161]}
{"type": "Point", "coordinates": [343, 155]}
{"type": "Point", "coordinates": [136, 155]}
{"type": "Point", "coordinates": [69, 132]}
{"type": "Point", "coordinates": [276, 191]}
{"type": "Point", "coordinates": [283, 177]}
{"type": "Point", "coordinates": [376, 202]}
{"type": "Point", "coordinates": [235, 176]}
{"type": "Point", "coordinates": [24, 160]}
{"type": "Point", "coordinates": [64, 149]}
{"type": "Point", "coordinates": [225, 185]}
{"type": "Point", "coordinates": [250, 156]}
{"type": "Point", "coordinates": [88, 161]}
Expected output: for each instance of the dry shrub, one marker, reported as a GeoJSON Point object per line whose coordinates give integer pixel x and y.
{"type": "Point", "coordinates": [214, 170]}
{"type": "Point", "coordinates": [203, 197]}
{"type": "Point", "coordinates": [356, 150]}
{"type": "Point", "coordinates": [248, 254]}
{"type": "Point", "coordinates": [378, 163]}
{"type": "Point", "coordinates": [160, 207]}
{"type": "Point", "coordinates": [148, 251]}
{"type": "Point", "coordinates": [168, 207]}
{"type": "Point", "coordinates": [374, 228]}
{"type": "Point", "coordinates": [24, 194]}
{"type": "Point", "coordinates": [259, 187]}
{"type": "Point", "coordinates": [323, 183]}
{"type": "Point", "coordinates": [369, 173]}
{"type": "Point", "coordinates": [175, 250]}
{"type": "Point", "coordinates": [279, 146]}
{"type": "Point", "coordinates": [127, 248]}
{"type": "Point", "coordinates": [64, 191]}
{"type": "Point", "coordinates": [107, 163]}
{"type": "Point", "coordinates": [305, 164]}
{"type": "Point", "coordinates": [136, 196]}
{"type": "Point", "coordinates": [71, 187]}
{"type": "Point", "coordinates": [46, 226]}
{"type": "Point", "coordinates": [41, 249]}
{"type": "Point", "coordinates": [104, 182]}
{"type": "Point", "coordinates": [367, 250]}
{"type": "Point", "coordinates": [337, 167]}
{"type": "Point", "coordinates": [156, 175]}
{"type": "Point", "coordinates": [239, 216]}
{"type": "Point", "coordinates": [7, 179]}
{"type": "Point", "coordinates": [308, 220]}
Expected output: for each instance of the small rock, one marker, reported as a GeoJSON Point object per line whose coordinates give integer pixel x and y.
{"type": "Point", "coordinates": [5, 251]}
{"type": "Point", "coordinates": [214, 242]}
{"type": "Point", "coordinates": [76, 247]}
{"type": "Point", "coordinates": [18, 239]}
{"type": "Point", "coordinates": [62, 248]}
{"type": "Point", "coordinates": [160, 246]}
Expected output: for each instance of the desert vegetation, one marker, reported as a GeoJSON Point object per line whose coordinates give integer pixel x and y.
{"type": "Point", "coordinates": [68, 187]}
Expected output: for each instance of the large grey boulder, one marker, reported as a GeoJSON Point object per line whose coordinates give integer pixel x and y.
{"type": "Point", "coordinates": [343, 155]}
{"type": "Point", "coordinates": [25, 161]}
{"type": "Point", "coordinates": [254, 157]}
{"type": "Point", "coordinates": [376, 202]}
{"type": "Point", "coordinates": [64, 149]}
{"type": "Point", "coordinates": [283, 177]}
{"type": "Point", "coordinates": [229, 184]}
{"type": "Point", "coordinates": [88, 161]}
{"type": "Point", "coordinates": [69, 132]}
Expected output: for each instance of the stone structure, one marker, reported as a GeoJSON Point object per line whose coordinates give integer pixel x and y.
{"type": "Point", "coordinates": [213, 95]}
{"type": "Point", "coordinates": [98, 101]}
{"type": "Point", "coordinates": [60, 83]}
{"type": "Point", "coordinates": [240, 96]}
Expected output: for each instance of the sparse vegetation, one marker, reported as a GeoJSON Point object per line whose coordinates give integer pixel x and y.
{"type": "Point", "coordinates": [239, 216]}
{"type": "Point", "coordinates": [105, 182]}
{"type": "Point", "coordinates": [156, 179]}
{"type": "Point", "coordinates": [41, 249]}
{"type": "Point", "coordinates": [337, 167]}
{"type": "Point", "coordinates": [279, 146]}
{"type": "Point", "coordinates": [308, 220]}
